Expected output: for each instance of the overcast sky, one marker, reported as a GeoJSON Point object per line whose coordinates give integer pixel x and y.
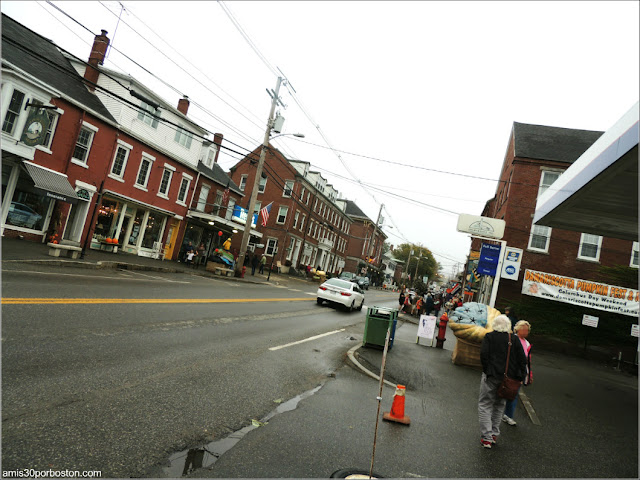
{"type": "Point", "coordinates": [434, 85]}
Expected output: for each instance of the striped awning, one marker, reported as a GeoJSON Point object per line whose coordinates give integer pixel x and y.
{"type": "Point", "coordinates": [53, 184]}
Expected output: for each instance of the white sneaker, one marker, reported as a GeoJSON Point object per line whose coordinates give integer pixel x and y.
{"type": "Point", "coordinates": [509, 420]}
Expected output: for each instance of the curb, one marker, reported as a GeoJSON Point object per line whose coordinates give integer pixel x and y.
{"type": "Point", "coordinates": [364, 370]}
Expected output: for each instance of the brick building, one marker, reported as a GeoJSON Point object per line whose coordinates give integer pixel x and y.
{"type": "Point", "coordinates": [365, 242]}
{"type": "Point", "coordinates": [535, 158]}
{"type": "Point", "coordinates": [307, 224]}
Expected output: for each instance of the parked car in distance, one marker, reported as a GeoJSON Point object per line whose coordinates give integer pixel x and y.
{"type": "Point", "coordinates": [341, 292]}
{"type": "Point", "coordinates": [347, 276]}
{"type": "Point", "coordinates": [363, 282]}
{"type": "Point", "coordinates": [22, 215]}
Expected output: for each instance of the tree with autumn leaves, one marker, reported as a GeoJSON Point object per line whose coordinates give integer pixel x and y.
{"type": "Point", "coordinates": [422, 258]}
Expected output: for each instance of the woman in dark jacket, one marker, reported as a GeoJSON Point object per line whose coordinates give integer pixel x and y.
{"type": "Point", "coordinates": [493, 355]}
{"type": "Point", "coordinates": [401, 299]}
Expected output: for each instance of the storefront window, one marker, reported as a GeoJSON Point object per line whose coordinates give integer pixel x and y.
{"type": "Point", "coordinates": [152, 232]}
{"type": "Point", "coordinates": [106, 225]}
{"type": "Point", "coordinates": [28, 209]}
{"type": "Point", "coordinates": [135, 231]}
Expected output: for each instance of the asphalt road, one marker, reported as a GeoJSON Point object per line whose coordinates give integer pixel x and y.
{"type": "Point", "coordinates": [125, 368]}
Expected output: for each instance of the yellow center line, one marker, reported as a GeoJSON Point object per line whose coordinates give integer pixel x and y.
{"type": "Point", "coordinates": [65, 301]}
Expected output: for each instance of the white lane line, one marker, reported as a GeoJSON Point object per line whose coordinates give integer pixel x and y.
{"type": "Point", "coordinates": [529, 408]}
{"type": "Point", "coordinates": [306, 339]}
{"type": "Point", "coordinates": [310, 293]}
{"type": "Point", "coordinates": [118, 277]}
{"type": "Point", "coordinates": [155, 277]}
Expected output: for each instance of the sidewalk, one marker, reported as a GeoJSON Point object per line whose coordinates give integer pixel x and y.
{"type": "Point", "coordinates": [333, 428]}
{"type": "Point", "coordinates": [23, 251]}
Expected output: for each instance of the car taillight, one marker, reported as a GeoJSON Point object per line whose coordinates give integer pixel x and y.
{"type": "Point", "coordinates": [346, 294]}
{"type": "Point", "coordinates": [323, 288]}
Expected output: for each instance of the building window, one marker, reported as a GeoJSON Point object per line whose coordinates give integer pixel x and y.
{"type": "Point", "coordinates": [53, 122]}
{"type": "Point", "coordinates": [290, 249]}
{"type": "Point", "coordinates": [634, 255]}
{"type": "Point", "coordinates": [165, 182]}
{"type": "Point", "coordinates": [13, 112]}
{"type": "Point", "coordinates": [183, 137]}
{"type": "Point", "coordinates": [272, 247]}
{"type": "Point", "coordinates": [143, 172]}
{"type": "Point", "coordinates": [302, 222]}
{"type": "Point", "coordinates": [288, 188]}
{"type": "Point", "coordinates": [184, 188]}
{"type": "Point", "coordinates": [243, 182]}
{"type": "Point", "coordinates": [257, 207]}
{"type": "Point", "coordinates": [217, 203]}
{"type": "Point", "coordinates": [282, 214]}
{"type": "Point", "coordinates": [302, 194]}
{"type": "Point", "coordinates": [83, 144]}
{"type": "Point", "coordinates": [230, 205]}
{"type": "Point", "coordinates": [539, 238]}
{"type": "Point", "coordinates": [263, 184]}
{"type": "Point", "coordinates": [295, 219]}
{"type": "Point", "coordinates": [211, 156]}
{"type": "Point", "coordinates": [546, 180]}
{"type": "Point", "coordinates": [146, 114]}
{"type": "Point", "coordinates": [120, 161]}
{"type": "Point", "coordinates": [202, 199]}
{"type": "Point", "coordinates": [589, 247]}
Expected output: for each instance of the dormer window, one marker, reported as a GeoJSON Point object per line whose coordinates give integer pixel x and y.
{"type": "Point", "coordinates": [146, 114]}
{"type": "Point", "coordinates": [210, 156]}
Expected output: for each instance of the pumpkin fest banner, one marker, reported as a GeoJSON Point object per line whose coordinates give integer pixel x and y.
{"type": "Point", "coordinates": [581, 292]}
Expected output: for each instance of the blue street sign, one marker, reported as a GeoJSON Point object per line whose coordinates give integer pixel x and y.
{"type": "Point", "coordinates": [489, 256]}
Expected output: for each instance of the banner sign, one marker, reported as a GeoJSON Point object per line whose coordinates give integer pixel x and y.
{"type": "Point", "coordinates": [581, 292]}
{"type": "Point", "coordinates": [240, 216]}
{"type": "Point", "coordinates": [511, 267]}
{"type": "Point", "coordinates": [635, 331]}
{"type": "Point", "coordinates": [489, 256]}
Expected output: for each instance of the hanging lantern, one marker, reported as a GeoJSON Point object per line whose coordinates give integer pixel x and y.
{"type": "Point", "coordinates": [220, 233]}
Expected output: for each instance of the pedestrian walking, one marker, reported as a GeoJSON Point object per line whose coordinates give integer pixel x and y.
{"type": "Point", "coordinates": [522, 330]}
{"type": "Point", "coordinates": [263, 262]}
{"type": "Point", "coordinates": [254, 264]}
{"type": "Point", "coordinates": [429, 304]}
{"type": "Point", "coordinates": [508, 311]}
{"type": "Point", "coordinates": [401, 299]}
{"type": "Point", "coordinates": [493, 355]}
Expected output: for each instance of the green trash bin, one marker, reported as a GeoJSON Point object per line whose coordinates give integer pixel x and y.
{"type": "Point", "coordinates": [379, 320]}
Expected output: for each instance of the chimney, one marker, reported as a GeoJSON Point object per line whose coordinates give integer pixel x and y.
{"type": "Point", "coordinates": [96, 57]}
{"type": "Point", "coordinates": [217, 140]}
{"type": "Point", "coordinates": [183, 105]}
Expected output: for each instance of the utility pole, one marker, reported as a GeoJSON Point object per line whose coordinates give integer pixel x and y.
{"type": "Point", "coordinates": [275, 100]}
{"type": "Point", "coordinates": [417, 264]}
{"type": "Point", "coordinates": [406, 271]}
{"type": "Point", "coordinates": [374, 231]}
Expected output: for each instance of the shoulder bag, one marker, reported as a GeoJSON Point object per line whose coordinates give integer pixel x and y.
{"type": "Point", "coordinates": [509, 387]}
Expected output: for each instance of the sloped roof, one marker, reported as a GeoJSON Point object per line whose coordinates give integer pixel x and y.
{"type": "Point", "coordinates": [217, 174]}
{"type": "Point", "coordinates": [551, 143]}
{"type": "Point", "coordinates": [354, 211]}
{"type": "Point", "coordinates": [52, 69]}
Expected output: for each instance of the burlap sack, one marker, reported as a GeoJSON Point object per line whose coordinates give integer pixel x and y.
{"type": "Point", "coordinates": [469, 339]}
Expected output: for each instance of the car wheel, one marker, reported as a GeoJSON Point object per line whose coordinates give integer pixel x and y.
{"type": "Point", "coordinates": [351, 307]}
{"type": "Point", "coordinates": [360, 307]}
{"type": "Point", "coordinates": [319, 300]}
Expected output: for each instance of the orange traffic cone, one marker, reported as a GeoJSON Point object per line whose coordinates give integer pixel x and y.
{"type": "Point", "coordinates": [397, 408]}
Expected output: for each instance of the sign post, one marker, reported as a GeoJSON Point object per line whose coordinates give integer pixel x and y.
{"type": "Point", "coordinates": [426, 328]}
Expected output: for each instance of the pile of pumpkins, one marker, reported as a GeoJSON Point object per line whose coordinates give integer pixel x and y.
{"type": "Point", "coordinates": [113, 241]}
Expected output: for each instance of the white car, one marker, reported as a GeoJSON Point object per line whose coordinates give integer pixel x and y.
{"type": "Point", "coordinates": [343, 292]}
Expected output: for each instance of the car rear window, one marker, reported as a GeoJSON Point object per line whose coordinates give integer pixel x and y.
{"type": "Point", "coordinates": [336, 282]}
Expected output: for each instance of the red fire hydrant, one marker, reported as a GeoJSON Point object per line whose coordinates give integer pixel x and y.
{"type": "Point", "coordinates": [244, 269]}
{"type": "Point", "coordinates": [442, 329]}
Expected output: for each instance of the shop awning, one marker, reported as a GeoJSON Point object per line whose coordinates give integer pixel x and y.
{"type": "Point", "coordinates": [51, 183]}
{"type": "Point", "coordinates": [598, 193]}
{"type": "Point", "coordinates": [208, 217]}
{"type": "Point", "coordinates": [138, 202]}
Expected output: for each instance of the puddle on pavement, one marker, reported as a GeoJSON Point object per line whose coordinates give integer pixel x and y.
{"type": "Point", "coordinates": [182, 463]}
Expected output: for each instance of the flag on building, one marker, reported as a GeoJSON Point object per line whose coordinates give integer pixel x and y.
{"type": "Point", "coordinates": [264, 214]}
